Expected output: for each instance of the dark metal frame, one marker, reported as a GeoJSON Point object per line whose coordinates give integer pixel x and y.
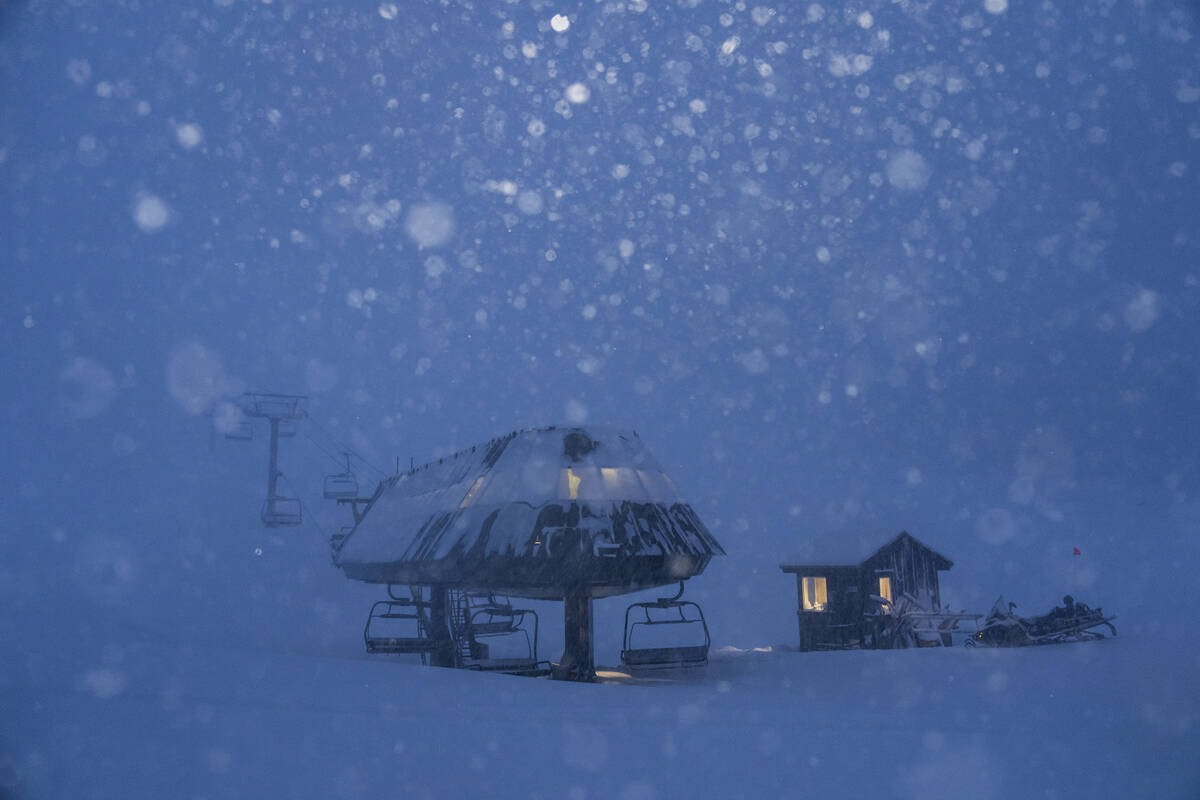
{"type": "Point", "coordinates": [421, 644]}
{"type": "Point", "coordinates": [281, 411]}
{"type": "Point", "coordinates": [278, 511]}
{"type": "Point", "coordinates": [342, 485]}
{"type": "Point", "coordinates": [459, 646]}
{"type": "Point", "coordinates": [647, 658]}
{"type": "Point", "coordinates": [495, 619]}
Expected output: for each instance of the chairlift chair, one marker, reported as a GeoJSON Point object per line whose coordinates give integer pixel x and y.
{"type": "Point", "coordinates": [242, 430]}
{"type": "Point", "coordinates": [400, 625]}
{"type": "Point", "coordinates": [287, 429]}
{"type": "Point", "coordinates": [279, 512]}
{"type": "Point", "coordinates": [664, 611]}
{"type": "Point", "coordinates": [343, 485]}
{"type": "Point", "coordinates": [485, 617]}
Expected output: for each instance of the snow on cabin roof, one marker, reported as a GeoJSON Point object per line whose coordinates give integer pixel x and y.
{"type": "Point", "coordinates": [505, 498]}
{"type": "Point", "coordinates": [850, 550]}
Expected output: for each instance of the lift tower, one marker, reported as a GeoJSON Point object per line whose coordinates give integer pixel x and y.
{"type": "Point", "coordinates": [281, 411]}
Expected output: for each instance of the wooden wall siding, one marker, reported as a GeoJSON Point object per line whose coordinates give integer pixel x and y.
{"type": "Point", "coordinates": [912, 566]}
{"type": "Point", "coordinates": [913, 569]}
{"type": "Point", "coordinates": [840, 624]}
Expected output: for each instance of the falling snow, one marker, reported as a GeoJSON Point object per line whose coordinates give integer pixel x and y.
{"type": "Point", "coordinates": [150, 212]}
{"type": "Point", "coordinates": [578, 93]}
{"type": "Point", "coordinates": [530, 202]}
{"type": "Point", "coordinates": [908, 171]}
{"type": "Point", "coordinates": [189, 135]}
{"type": "Point", "coordinates": [430, 224]}
{"type": "Point", "coordinates": [848, 269]}
{"type": "Point", "coordinates": [1142, 311]}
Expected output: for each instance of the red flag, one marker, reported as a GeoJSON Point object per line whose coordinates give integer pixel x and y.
{"type": "Point", "coordinates": [1077, 552]}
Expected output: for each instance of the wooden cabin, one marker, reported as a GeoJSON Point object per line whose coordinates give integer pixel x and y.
{"type": "Point", "coordinates": [840, 603]}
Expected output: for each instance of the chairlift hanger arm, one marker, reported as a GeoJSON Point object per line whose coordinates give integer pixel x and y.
{"type": "Point", "coordinates": [670, 601]}
{"type": "Point", "coordinates": [365, 502]}
{"type": "Point", "coordinates": [354, 503]}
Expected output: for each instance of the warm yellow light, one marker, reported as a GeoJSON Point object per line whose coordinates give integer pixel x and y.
{"type": "Point", "coordinates": [471, 492]}
{"type": "Point", "coordinates": [885, 589]}
{"type": "Point", "coordinates": [572, 485]}
{"type": "Point", "coordinates": [612, 478]}
{"type": "Point", "coordinates": [815, 592]}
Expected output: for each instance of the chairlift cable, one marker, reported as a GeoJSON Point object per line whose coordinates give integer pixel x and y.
{"type": "Point", "coordinates": [367, 463]}
{"type": "Point", "coordinates": [307, 512]}
{"type": "Point", "coordinates": [346, 448]}
{"type": "Point", "coordinates": [346, 451]}
{"type": "Point", "coordinates": [308, 515]}
{"type": "Point", "coordinates": [320, 447]}
{"type": "Point", "coordinates": [338, 443]}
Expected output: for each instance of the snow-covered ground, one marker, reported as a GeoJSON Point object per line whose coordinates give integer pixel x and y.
{"type": "Point", "coordinates": [147, 719]}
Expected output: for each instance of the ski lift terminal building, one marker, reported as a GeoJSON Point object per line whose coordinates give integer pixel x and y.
{"type": "Point", "coordinates": [552, 513]}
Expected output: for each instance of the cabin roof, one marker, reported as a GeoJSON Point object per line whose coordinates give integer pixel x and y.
{"type": "Point", "coordinates": [856, 551]}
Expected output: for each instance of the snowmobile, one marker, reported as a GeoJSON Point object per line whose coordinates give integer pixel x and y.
{"type": "Point", "coordinates": [1072, 622]}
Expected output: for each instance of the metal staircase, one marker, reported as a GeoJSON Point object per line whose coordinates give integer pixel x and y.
{"type": "Point", "coordinates": [460, 617]}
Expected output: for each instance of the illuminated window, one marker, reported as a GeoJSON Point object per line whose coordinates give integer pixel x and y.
{"type": "Point", "coordinates": [572, 484]}
{"type": "Point", "coordinates": [815, 596]}
{"type": "Point", "coordinates": [885, 589]}
{"type": "Point", "coordinates": [653, 486]}
{"type": "Point", "coordinates": [612, 480]}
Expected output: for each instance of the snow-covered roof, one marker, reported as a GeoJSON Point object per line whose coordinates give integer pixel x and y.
{"type": "Point", "coordinates": [593, 497]}
{"type": "Point", "coordinates": [850, 550]}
